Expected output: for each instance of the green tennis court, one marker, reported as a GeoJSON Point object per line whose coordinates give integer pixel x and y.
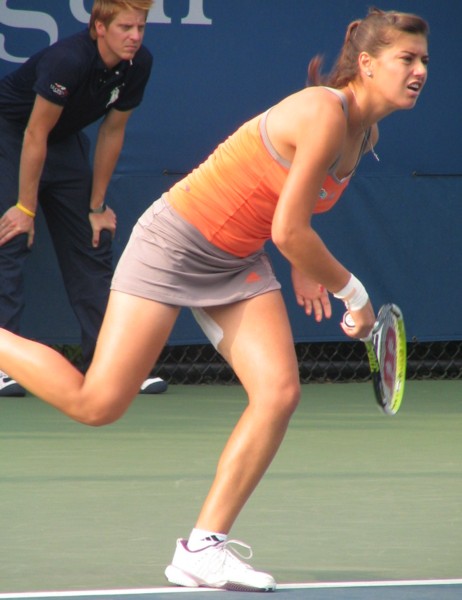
{"type": "Point", "coordinates": [352, 495]}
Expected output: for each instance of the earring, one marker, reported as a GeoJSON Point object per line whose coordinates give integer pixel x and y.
{"type": "Point", "coordinates": [369, 73]}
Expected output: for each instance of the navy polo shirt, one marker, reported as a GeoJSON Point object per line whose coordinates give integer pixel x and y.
{"type": "Point", "coordinates": [71, 73]}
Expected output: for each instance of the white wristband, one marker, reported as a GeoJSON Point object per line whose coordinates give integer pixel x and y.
{"type": "Point", "coordinates": [354, 294]}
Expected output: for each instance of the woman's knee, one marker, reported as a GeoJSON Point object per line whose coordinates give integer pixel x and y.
{"type": "Point", "coordinates": [290, 397]}
{"type": "Point", "coordinates": [281, 398]}
{"type": "Point", "coordinates": [102, 409]}
{"type": "Point", "coordinates": [99, 418]}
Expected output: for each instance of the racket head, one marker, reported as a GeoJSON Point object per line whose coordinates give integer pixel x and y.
{"type": "Point", "coordinates": [387, 353]}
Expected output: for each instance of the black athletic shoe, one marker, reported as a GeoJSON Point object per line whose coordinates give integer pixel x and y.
{"type": "Point", "coordinates": [153, 385]}
{"type": "Point", "coordinates": [9, 387]}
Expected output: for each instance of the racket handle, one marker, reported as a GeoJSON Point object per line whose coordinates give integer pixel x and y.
{"type": "Point", "coordinates": [349, 322]}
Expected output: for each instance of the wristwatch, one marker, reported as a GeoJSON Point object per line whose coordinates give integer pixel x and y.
{"type": "Point", "coordinates": [99, 210]}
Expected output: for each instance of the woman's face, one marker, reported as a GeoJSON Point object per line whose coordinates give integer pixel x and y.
{"type": "Point", "coordinates": [400, 70]}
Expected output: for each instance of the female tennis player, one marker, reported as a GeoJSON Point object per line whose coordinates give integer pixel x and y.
{"type": "Point", "coordinates": [201, 246]}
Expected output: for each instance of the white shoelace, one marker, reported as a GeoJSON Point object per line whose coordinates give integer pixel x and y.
{"type": "Point", "coordinates": [229, 555]}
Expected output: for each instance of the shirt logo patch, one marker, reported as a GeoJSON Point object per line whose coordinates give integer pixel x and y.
{"type": "Point", "coordinates": [115, 93]}
{"type": "Point", "coordinates": [59, 90]}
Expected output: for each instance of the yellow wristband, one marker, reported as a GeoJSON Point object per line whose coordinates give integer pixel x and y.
{"type": "Point", "coordinates": [25, 210]}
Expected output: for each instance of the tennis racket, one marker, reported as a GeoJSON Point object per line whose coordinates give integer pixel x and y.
{"type": "Point", "coordinates": [387, 355]}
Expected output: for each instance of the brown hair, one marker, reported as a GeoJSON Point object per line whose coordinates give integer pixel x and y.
{"type": "Point", "coordinates": [371, 35]}
{"type": "Point", "coordinates": [106, 10]}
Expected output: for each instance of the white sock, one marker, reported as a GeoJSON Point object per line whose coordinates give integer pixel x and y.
{"type": "Point", "coordinates": [201, 538]}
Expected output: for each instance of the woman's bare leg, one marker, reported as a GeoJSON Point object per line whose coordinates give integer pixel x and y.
{"type": "Point", "coordinates": [132, 335]}
{"type": "Point", "coordinates": [258, 344]}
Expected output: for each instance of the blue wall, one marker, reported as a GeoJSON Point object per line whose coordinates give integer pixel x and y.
{"type": "Point", "coordinates": [219, 62]}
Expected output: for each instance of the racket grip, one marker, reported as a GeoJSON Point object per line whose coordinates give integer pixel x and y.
{"type": "Point", "coordinates": [349, 322]}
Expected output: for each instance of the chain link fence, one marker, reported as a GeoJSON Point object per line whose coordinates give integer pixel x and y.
{"type": "Point", "coordinates": [318, 362]}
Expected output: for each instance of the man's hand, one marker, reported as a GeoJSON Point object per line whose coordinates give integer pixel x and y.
{"type": "Point", "coordinates": [312, 296]}
{"type": "Point", "coordinates": [15, 222]}
{"type": "Point", "coordinates": [99, 221]}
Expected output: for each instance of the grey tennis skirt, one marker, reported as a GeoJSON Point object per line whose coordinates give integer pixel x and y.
{"type": "Point", "coordinates": [169, 260]}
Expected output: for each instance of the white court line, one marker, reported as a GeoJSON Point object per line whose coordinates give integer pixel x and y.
{"type": "Point", "coordinates": [97, 593]}
{"type": "Point", "coordinates": [178, 590]}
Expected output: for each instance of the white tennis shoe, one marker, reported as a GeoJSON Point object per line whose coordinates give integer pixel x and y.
{"type": "Point", "coordinates": [216, 566]}
{"type": "Point", "coordinates": [9, 387]}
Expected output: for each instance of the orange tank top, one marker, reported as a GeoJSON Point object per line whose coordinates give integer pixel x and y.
{"type": "Point", "coordinates": [231, 197]}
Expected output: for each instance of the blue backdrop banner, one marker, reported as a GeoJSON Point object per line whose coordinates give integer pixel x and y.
{"type": "Point", "coordinates": [218, 63]}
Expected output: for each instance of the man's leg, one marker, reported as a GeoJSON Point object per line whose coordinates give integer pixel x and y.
{"type": "Point", "coordinates": [86, 271]}
{"type": "Point", "coordinates": [13, 254]}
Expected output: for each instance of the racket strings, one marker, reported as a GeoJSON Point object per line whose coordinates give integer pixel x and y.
{"type": "Point", "coordinates": [392, 359]}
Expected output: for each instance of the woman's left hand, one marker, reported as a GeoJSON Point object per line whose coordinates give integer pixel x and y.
{"type": "Point", "coordinates": [312, 296]}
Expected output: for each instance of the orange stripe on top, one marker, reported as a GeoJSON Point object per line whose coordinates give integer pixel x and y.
{"type": "Point", "coordinates": [231, 197]}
